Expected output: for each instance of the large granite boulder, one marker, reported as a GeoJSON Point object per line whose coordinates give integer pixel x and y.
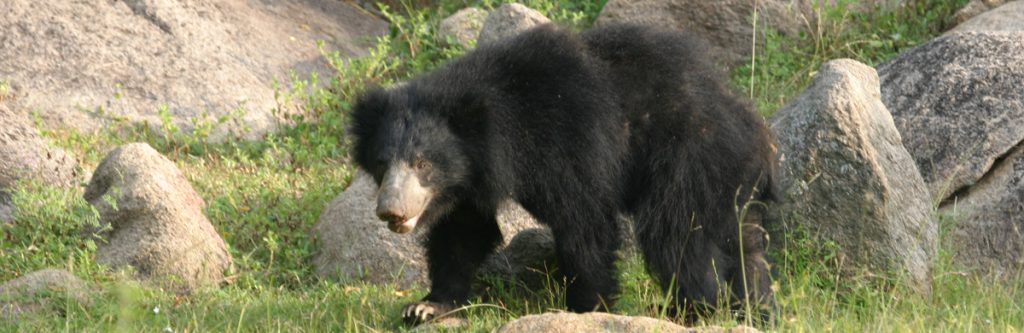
{"type": "Point", "coordinates": [847, 178]}
{"type": "Point", "coordinates": [958, 102]}
{"type": "Point", "coordinates": [988, 231]}
{"type": "Point", "coordinates": [152, 221]}
{"type": "Point", "coordinates": [82, 63]}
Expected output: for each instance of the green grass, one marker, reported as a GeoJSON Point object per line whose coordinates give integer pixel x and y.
{"type": "Point", "coordinates": [264, 196]}
{"type": "Point", "coordinates": [785, 65]}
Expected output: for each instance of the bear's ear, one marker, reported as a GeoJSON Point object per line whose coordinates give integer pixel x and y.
{"type": "Point", "coordinates": [367, 112]}
{"type": "Point", "coordinates": [367, 115]}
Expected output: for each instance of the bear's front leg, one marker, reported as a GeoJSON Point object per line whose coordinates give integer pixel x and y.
{"type": "Point", "coordinates": [456, 246]}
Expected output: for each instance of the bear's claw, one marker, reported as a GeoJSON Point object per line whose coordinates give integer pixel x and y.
{"type": "Point", "coordinates": [420, 312]}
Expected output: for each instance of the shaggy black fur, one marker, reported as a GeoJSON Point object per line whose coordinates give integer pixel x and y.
{"type": "Point", "coordinates": [579, 129]}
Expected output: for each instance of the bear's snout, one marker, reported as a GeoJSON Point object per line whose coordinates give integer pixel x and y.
{"type": "Point", "coordinates": [402, 199]}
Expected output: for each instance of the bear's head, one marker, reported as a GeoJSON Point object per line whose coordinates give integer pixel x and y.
{"type": "Point", "coordinates": [405, 141]}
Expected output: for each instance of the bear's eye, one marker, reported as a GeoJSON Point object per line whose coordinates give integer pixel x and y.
{"type": "Point", "coordinates": [422, 164]}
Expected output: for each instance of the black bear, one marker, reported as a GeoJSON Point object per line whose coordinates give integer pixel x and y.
{"type": "Point", "coordinates": [579, 129]}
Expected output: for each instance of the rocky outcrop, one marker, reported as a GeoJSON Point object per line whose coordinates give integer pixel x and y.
{"type": "Point", "coordinates": [152, 221]}
{"type": "Point", "coordinates": [509, 20]}
{"type": "Point", "coordinates": [39, 292]}
{"type": "Point", "coordinates": [847, 178]}
{"type": "Point", "coordinates": [355, 244]}
{"type": "Point", "coordinates": [958, 102]}
{"type": "Point", "coordinates": [726, 24]}
{"type": "Point", "coordinates": [1008, 17]}
{"type": "Point", "coordinates": [605, 322]}
{"type": "Point", "coordinates": [83, 63]}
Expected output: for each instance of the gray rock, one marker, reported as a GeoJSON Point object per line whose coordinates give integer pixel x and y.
{"type": "Point", "coordinates": [24, 154]}
{"type": "Point", "coordinates": [464, 26]}
{"type": "Point", "coordinates": [847, 178]}
{"type": "Point", "coordinates": [725, 23]}
{"type": "Point", "coordinates": [156, 222]}
{"type": "Point", "coordinates": [1008, 17]}
{"type": "Point", "coordinates": [6, 208]}
{"type": "Point", "coordinates": [529, 258]}
{"type": "Point", "coordinates": [452, 323]}
{"type": "Point", "coordinates": [863, 6]}
{"type": "Point", "coordinates": [959, 104]}
{"type": "Point", "coordinates": [354, 244]}
{"type": "Point", "coordinates": [988, 234]}
{"type": "Point", "coordinates": [37, 292]}
{"type": "Point", "coordinates": [509, 20]}
{"type": "Point", "coordinates": [81, 63]}
{"type": "Point", "coordinates": [605, 322]}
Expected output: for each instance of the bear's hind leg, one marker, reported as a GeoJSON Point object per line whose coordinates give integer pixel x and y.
{"type": "Point", "coordinates": [456, 247]}
{"type": "Point", "coordinates": [700, 262]}
{"type": "Point", "coordinates": [752, 282]}
{"type": "Point", "coordinates": [685, 262]}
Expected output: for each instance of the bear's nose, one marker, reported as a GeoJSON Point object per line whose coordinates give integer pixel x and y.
{"type": "Point", "coordinates": [390, 214]}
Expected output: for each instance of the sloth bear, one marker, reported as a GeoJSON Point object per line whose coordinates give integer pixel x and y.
{"type": "Point", "coordinates": [579, 129]}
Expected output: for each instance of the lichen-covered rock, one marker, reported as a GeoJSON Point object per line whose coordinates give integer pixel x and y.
{"type": "Point", "coordinates": [509, 20]}
{"type": "Point", "coordinates": [988, 233]}
{"type": "Point", "coordinates": [958, 102]}
{"type": "Point", "coordinates": [605, 322]}
{"type": "Point", "coordinates": [847, 178]}
{"type": "Point", "coordinates": [1008, 17]}
{"type": "Point", "coordinates": [81, 63]}
{"type": "Point", "coordinates": [464, 26]}
{"type": "Point", "coordinates": [36, 292]}
{"type": "Point", "coordinates": [24, 154]}
{"type": "Point", "coordinates": [355, 244]}
{"type": "Point", "coordinates": [725, 23]}
{"type": "Point", "coordinates": [156, 222]}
